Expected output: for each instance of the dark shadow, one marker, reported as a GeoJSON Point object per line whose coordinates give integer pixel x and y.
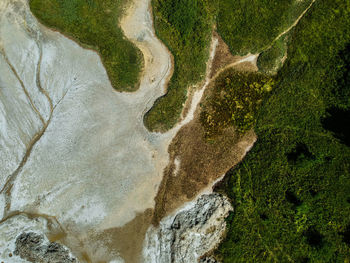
{"type": "Point", "coordinates": [314, 238]}
{"type": "Point", "coordinates": [303, 260]}
{"type": "Point", "coordinates": [264, 217]}
{"type": "Point", "coordinates": [291, 198]}
{"type": "Point", "coordinates": [346, 235]}
{"type": "Point", "coordinates": [299, 153]}
{"type": "Point", "coordinates": [312, 192]}
{"type": "Point", "coordinates": [342, 90]}
{"type": "Point", "coordinates": [328, 158]}
{"type": "Point", "coordinates": [338, 122]}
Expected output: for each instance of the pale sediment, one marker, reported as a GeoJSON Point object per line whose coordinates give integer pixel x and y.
{"type": "Point", "coordinates": [25, 239]}
{"type": "Point", "coordinates": [96, 166]}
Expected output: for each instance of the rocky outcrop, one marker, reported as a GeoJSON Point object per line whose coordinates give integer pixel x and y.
{"type": "Point", "coordinates": [191, 233]}
{"type": "Point", "coordinates": [208, 260]}
{"type": "Point", "coordinates": [36, 248]}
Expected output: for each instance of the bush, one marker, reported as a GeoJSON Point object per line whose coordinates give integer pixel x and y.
{"type": "Point", "coordinates": [251, 26]}
{"type": "Point", "coordinates": [234, 101]}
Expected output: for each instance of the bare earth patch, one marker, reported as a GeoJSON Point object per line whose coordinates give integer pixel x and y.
{"type": "Point", "coordinates": [201, 164]}
{"type": "Point", "coordinates": [196, 163]}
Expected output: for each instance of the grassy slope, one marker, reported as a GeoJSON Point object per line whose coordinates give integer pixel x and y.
{"type": "Point", "coordinates": [270, 60]}
{"type": "Point", "coordinates": [292, 192]}
{"type": "Point", "coordinates": [185, 27]}
{"type": "Point", "coordinates": [94, 24]}
{"type": "Point", "coordinates": [249, 26]}
{"type": "Point", "coordinates": [234, 101]}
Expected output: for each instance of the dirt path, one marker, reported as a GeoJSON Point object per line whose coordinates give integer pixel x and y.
{"type": "Point", "coordinates": [292, 26]}
{"type": "Point", "coordinates": [250, 58]}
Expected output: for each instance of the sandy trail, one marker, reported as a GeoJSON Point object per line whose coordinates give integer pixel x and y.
{"type": "Point", "coordinates": [292, 25]}
{"type": "Point", "coordinates": [251, 58]}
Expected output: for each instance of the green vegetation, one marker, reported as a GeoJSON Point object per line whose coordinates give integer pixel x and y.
{"type": "Point", "coordinates": [185, 26]}
{"type": "Point", "coordinates": [234, 101]}
{"type": "Point", "coordinates": [251, 26]}
{"type": "Point", "coordinates": [291, 193]}
{"type": "Point", "coordinates": [94, 24]}
{"type": "Point", "coordinates": [271, 60]}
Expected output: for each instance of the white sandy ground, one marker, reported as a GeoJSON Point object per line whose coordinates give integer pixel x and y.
{"type": "Point", "coordinates": [96, 165]}
{"type": "Point", "coordinates": [11, 229]}
{"type": "Point", "coordinates": [177, 163]}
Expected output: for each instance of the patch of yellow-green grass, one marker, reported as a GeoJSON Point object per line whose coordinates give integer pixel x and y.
{"type": "Point", "coordinates": [94, 24]}
{"type": "Point", "coordinates": [234, 102]}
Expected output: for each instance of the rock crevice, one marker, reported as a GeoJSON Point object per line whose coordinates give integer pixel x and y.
{"type": "Point", "coordinates": [190, 234]}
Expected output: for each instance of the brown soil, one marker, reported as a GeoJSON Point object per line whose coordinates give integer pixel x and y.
{"type": "Point", "coordinates": [202, 163]}
{"type": "Point", "coordinates": [127, 241]}
{"type": "Point", "coordinates": [223, 56]}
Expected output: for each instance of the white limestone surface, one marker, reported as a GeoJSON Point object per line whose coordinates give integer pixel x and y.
{"type": "Point", "coordinates": [95, 164]}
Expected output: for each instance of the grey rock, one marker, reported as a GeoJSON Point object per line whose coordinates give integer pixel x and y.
{"type": "Point", "coordinates": [208, 260]}
{"type": "Point", "coordinates": [190, 234]}
{"type": "Point", "coordinates": [36, 248]}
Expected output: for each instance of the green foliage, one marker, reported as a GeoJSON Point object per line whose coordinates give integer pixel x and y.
{"type": "Point", "coordinates": [292, 192]}
{"type": "Point", "coordinates": [271, 60]}
{"type": "Point", "coordinates": [185, 26]}
{"type": "Point", "coordinates": [94, 24]}
{"type": "Point", "coordinates": [234, 101]}
{"type": "Point", "coordinates": [250, 26]}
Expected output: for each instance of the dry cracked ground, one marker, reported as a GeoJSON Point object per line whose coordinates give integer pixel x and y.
{"type": "Point", "coordinates": [81, 178]}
